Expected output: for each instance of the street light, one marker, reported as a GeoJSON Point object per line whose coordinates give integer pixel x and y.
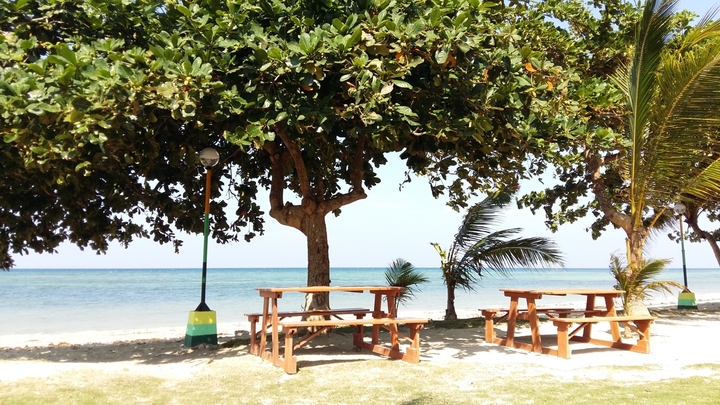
{"type": "Point", "coordinates": [686, 299]}
{"type": "Point", "coordinates": [202, 323]}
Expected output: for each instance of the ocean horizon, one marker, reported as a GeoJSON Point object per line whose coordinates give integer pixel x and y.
{"type": "Point", "coordinates": [61, 300]}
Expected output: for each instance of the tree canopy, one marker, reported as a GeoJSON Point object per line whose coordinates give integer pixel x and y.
{"type": "Point", "coordinates": [103, 105]}
{"type": "Point", "coordinates": [665, 149]}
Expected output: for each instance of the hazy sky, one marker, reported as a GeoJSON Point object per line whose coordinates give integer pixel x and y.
{"type": "Point", "coordinates": [389, 224]}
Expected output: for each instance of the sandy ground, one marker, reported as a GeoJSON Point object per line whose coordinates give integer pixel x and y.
{"type": "Point", "coordinates": [683, 341]}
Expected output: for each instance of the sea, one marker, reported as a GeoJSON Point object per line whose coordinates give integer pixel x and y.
{"type": "Point", "coordinates": [49, 301]}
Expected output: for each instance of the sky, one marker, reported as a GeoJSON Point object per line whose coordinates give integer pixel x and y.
{"type": "Point", "coordinates": [387, 225]}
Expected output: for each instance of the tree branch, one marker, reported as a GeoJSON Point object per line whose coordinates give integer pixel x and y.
{"type": "Point", "coordinates": [594, 163]}
{"type": "Point", "coordinates": [285, 214]}
{"type": "Point", "coordinates": [357, 192]}
{"type": "Point", "coordinates": [300, 169]}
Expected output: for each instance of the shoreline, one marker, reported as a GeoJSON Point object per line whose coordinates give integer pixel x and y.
{"type": "Point", "coordinates": [228, 330]}
{"type": "Point", "coordinates": [682, 342]}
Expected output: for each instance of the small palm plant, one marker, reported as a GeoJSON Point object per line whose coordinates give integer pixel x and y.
{"type": "Point", "coordinates": [639, 283]}
{"type": "Point", "coordinates": [477, 249]}
{"type": "Point", "coordinates": [402, 273]}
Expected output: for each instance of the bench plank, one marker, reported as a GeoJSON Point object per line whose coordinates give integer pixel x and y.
{"type": "Point", "coordinates": [411, 355]}
{"type": "Point", "coordinates": [256, 346]}
{"type": "Point", "coordinates": [352, 322]}
{"type": "Point", "coordinates": [642, 327]}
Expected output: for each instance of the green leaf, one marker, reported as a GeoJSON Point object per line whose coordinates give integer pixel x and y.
{"type": "Point", "coordinates": [354, 39]}
{"type": "Point", "coordinates": [82, 165]}
{"type": "Point", "coordinates": [41, 108]}
{"type": "Point", "coordinates": [167, 89]}
{"type": "Point", "coordinates": [404, 110]}
{"type": "Point", "coordinates": [404, 85]}
{"type": "Point", "coordinates": [275, 53]}
{"type": "Point", "coordinates": [184, 10]}
{"type": "Point", "coordinates": [11, 137]}
{"type": "Point", "coordinates": [255, 131]}
{"type": "Point", "coordinates": [64, 51]}
{"type": "Point", "coordinates": [441, 54]}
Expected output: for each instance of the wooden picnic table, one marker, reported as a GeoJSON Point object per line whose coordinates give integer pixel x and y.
{"type": "Point", "coordinates": [273, 319]}
{"type": "Point", "coordinates": [592, 315]}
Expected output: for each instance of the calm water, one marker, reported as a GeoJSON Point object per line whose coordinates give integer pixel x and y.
{"type": "Point", "coordinates": [62, 300]}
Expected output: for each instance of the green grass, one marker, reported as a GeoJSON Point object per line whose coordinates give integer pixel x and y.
{"type": "Point", "coordinates": [231, 376]}
{"type": "Point", "coordinates": [248, 380]}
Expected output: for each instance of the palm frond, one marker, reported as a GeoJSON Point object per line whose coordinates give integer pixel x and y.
{"type": "Point", "coordinates": [503, 255]}
{"type": "Point", "coordinates": [478, 222]}
{"type": "Point", "coordinates": [402, 273]}
{"type": "Point", "coordinates": [652, 31]}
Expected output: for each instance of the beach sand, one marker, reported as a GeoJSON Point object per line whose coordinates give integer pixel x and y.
{"type": "Point", "coordinates": [683, 341]}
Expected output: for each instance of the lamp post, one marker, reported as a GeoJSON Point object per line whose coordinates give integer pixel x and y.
{"type": "Point", "coordinates": [686, 299]}
{"type": "Point", "coordinates": [202, 323]}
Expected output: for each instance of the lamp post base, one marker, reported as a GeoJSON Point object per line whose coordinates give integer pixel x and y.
{"type": "Point", "coordinates": [201, 328]}
{"type": "Point", "coordinates": [686, 300]}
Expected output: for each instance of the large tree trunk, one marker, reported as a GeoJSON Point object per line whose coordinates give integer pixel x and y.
{"type": "Point", "coordinates": [318, 260]}
{"type": "Point", "coordinates": [309, 216]}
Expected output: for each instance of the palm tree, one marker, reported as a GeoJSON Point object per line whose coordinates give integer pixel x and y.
{"type": "Point", "coordinates": [672, 89]}
{"type": "Point", "coordinates": [402, 273]}
{"type": "Point", "coordinates": [637, 285]}
{"type": "Point", "coordinates": [477, 249]}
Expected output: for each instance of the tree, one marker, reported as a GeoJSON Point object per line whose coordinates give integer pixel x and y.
{"type": "Point", "coordinates": [695, 210]}
{"type": "Point", "coordinates": [402, 273]}
{"type": "Point", "coordinates": [665, 151]}
{"type": "Point", "coordinates": [640, 283]}
{"type": "Point", "coordinates": [104, 103]}
{"type": "Point", "coordinates": [477, 249]}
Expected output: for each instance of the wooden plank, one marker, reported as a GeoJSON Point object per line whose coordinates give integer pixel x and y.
{"type": "Point", "coordinates": [596, 319]}
{"type": "Point", "coordinates": [330, 312]}
{"type": "Point", "coordinates": [353, 322]}
{"type": "Point", "coordinates": [323, 289]}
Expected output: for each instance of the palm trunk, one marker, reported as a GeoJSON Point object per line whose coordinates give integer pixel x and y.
{"type": "Point", "coordinates": [450, 313]}
{"type": "Point", "coordinates": [635, 243]}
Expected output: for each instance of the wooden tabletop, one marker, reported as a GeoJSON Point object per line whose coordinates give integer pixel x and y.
{"type": "Point", "coordinates": [321, 289]}
{"type": "Point", "coordinates": [564, 291]}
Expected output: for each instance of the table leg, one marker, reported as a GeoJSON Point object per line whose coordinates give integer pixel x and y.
{"type": "Point", "coordinates": [263, 328]}
{"type": "Point", "coordinates": [534, 325]}
{"type": "Point", "coordinates": [614, 326]}
{"type": "Point", "coordinates": [377, 313]}
{"type": "Point", "coordinates": [512, 320]}
{"type": "Point", "coordinates": [589, 306]}
{"type": "Point", "coordinates": [275, 334]}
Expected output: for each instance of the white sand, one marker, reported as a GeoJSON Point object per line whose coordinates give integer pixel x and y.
{"type": "Point", "coordinates": [682, 341]}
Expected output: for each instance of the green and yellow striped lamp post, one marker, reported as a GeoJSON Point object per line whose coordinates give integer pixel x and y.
{"type": "Point", "coordinates": [202, 322]}
{"type": "Point", "coordinates": [686, 299]}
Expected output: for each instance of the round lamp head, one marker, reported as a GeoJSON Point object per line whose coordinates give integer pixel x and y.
{"type": "Point", "coordinates": [209, 157]}
{"type": "Point", "coordinates": [679, 208]}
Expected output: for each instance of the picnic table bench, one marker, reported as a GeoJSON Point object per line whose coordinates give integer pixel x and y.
{"type": "Point", "coordinates": [254, 318]}
{"type": "Point", "coordinates": [639, 324]}
{"type": "Point", "coordinates": [411, 354]}
{"type": "Point", "coordinates": [562, 321]}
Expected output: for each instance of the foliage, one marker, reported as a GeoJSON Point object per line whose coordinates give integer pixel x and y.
{"type": "Point", "coordinates": [639, 283]}
{"type": "Point", "coordinates": [666, 150]}
{"type": "Point", "coordinates": [477, 249]}
{"type": "Point", "coordinates": [103, 105]}
{"type": "Point", "coordinates": [401, 273]}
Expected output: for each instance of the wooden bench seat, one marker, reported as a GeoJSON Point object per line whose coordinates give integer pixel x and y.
{"type": "Point", "coordinates": [491, 317]}
{"type": "Point", "coordinates": [411, 355]}
{"type": "Point", "coordinates": [254, 318]}
{"type": "Point", "coordinates": [639, 324]}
